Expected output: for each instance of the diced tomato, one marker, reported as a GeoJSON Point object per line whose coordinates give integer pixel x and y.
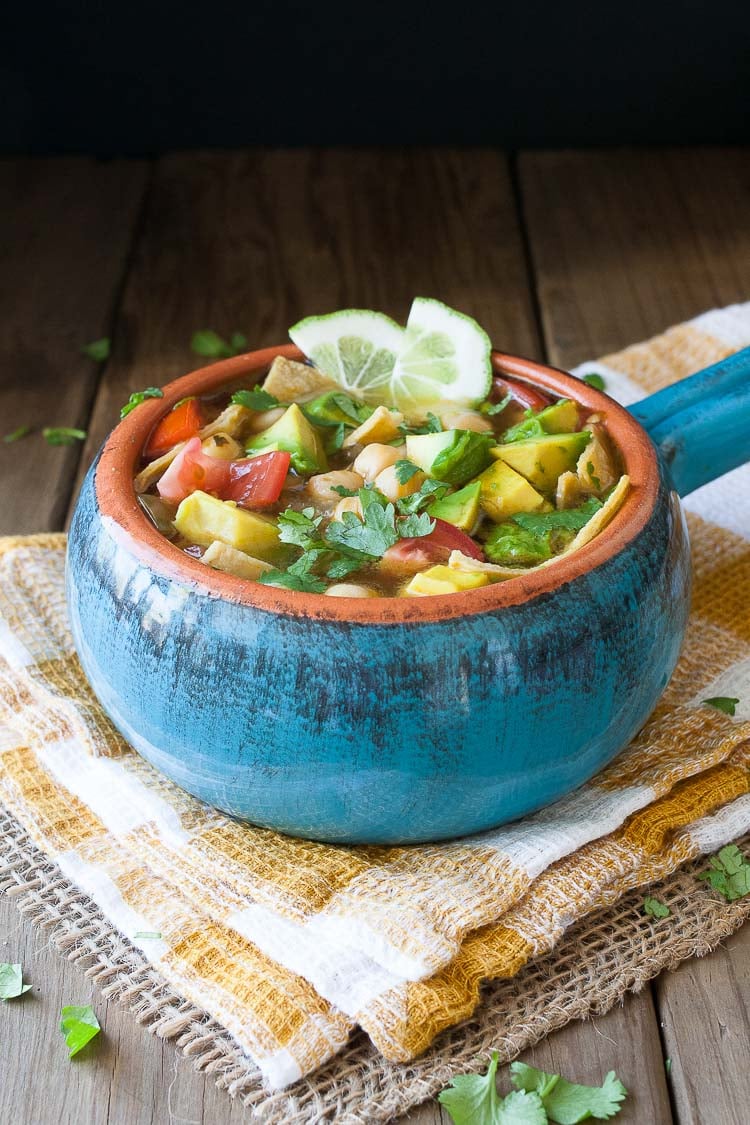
{"type": "Point", "coordinates": [453, 539]}
{"type": "Point", "coordinates": [529, 397]}
{"type": "Point", "coordinates": [182, 423]}
{"type": "Point", "coordinates": [409, 556]}
{"type": "Point", "coordinates": [192, 469]}
{"type": "Point", "coordinates": [256, 482]}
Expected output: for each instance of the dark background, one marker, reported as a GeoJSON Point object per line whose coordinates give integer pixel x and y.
{"type": "Point", "coordinates": [123, 79]}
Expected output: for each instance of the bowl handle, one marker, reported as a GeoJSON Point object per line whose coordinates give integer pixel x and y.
{"type": "Point", "coordinates": [701, 425]}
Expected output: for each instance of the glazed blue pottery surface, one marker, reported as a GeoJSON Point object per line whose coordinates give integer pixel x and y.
{"type": "Point", "coordinates": [394, 730]}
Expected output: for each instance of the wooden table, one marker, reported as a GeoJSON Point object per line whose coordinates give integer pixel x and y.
{"type": "Point", "coordinates": [561, 255]}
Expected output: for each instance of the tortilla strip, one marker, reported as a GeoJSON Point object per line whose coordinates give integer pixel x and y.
{"type": "Point", "coordinates": [459, 561]}
{"type": "Point", "coordinates": [600, 520]}
{"type": "Point", "coordinates": [291, 381]}
{"type": "Point", "coordinates": [382, 426]}
{"type": "Point", "coordinates": [222, 556]}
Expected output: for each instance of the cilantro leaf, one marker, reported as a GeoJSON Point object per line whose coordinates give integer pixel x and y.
{"type": "Point", "coordinates": [729, 873]}
{"type": "Point", "coordinates": [298, 576]}
{"type": "Point", "coordinates": [138, 397]}
{"type": "Point", "coordinates": [655, 909]}
{"type": "Point", "coordinates": [571, 518]}
{"type": "Point", "coordinates": [413, 526]}
{"type": "Point", "coordinates": [16, 435]}
{"type": "Point", "coordinates": [595, 380]}
{"type": "Point", "coordinates": [335, 439]}
{"type": "Point", "coordinates": [79, 1025]}
{"type": "Point", "coordinates": [591, 470]}
{"type": "Point", "coordinates": [211, 345]}
{"type": "Point", "coordinates": [97, 350]}
{"type": "Point", "coordinates": [491, 408]}
{"type": "Point", "coordinates": [521, 1108]}
{"type": "Point", "coordinates": [529, 427]}
{"type": "Point", "coordinates": [725, 703]}
{"type": "Point", "coordinates": [11, 981]}
{"type": "Point", "coordinates": [300, 528]}
{"type": "Point", "coordinates": [431, 425]}
{"type": "Point", "coordinates": [343, 490]}
{"type": "Point", "coordinates": [429, 491]}
{"type": "Point", "coordinates": [62, 435]}
{"type": "Point", "coordinates": [343, 566]}
{"type": "Point", "coordinates": [471, 1099]}
{"type": "Point", "coordinates": [567, 1103]}
{"type": "Point", "coordinates": [405, 470]}
{"type": "Point", "coordinates": [256, 399]}
{"type": "Point", "coordinates": [373, 534]}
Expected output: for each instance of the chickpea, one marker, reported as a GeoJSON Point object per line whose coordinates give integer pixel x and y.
{"type": "Point", "coordinates": [351, 590]}
{"type": "Point", "coordinates": [388, 483]}
{"type": "Point", "coordinates": [348, 504]}
{"type": "Point", "coordinates": [265, 418]}
{"type": "Point", "coordinates": [374, 458]}
{"type": "Point", "coordinates": [223, 447]}
{"type": "Point", "coordinates": [321, 486]}
{"type": "Point", "coordinates": [465, 420]}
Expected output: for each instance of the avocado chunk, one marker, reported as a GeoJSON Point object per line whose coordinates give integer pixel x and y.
{"type": "Point", "coordinates": [453, 456]}
{"type": "Point", "coordinates": [443, 580]}
{"type": "Point", "coordinates": [542, 459]}
{"type": "Point", "coordinates": [505, 492]}
{"type": "Point", "coordinates": [510, 545]}
{"type": "Point", "coordinates": [203, 519]}
{"type": "Point", "coordinates": [559, 418]}
{"type": "Point", "coordinates": [293, 434]}
{"type": "Point", "coordinates": [461, 508]}
{"type": "Point", "coordinates": [335, 407]}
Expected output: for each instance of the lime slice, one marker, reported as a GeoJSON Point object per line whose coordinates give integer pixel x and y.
{"type": "Point", "coordinates": [356, 347]}
{"type": "Point", "coordinates": [445, 355]}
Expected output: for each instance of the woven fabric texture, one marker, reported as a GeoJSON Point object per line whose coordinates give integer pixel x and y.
{"type": "Point", "coordinates": [290, 945]}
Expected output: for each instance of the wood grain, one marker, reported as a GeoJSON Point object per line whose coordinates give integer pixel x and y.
{"type": "Point", "coordinates": [705, 1012]}
{"type": "Point", "coordinates": [253, 241]}
{"type": "Point", "coordinates": [68, 229]}
{"type": "Point", "coordinates": [627, 242]}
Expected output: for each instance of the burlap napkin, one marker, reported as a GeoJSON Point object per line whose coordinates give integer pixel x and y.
{"type": "Point", "coordinates": [290, 945]}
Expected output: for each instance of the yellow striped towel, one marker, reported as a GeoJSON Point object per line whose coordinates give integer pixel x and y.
{"type": "Point", "coordinates": [291, 944]}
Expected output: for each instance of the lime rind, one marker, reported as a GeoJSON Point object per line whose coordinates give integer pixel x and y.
{"type": "Point", "coordinates": [444, 351]}
{"type": "Point", "coordinates": [356, 347]}
{"type": "Point", "coordinates": [442, 354]}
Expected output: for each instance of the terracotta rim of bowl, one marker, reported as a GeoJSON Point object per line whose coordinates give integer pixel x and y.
{"type": "Point", "coordinates": [128, 523]}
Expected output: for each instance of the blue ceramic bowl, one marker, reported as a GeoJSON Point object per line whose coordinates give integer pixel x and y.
{"type": "Point", "coordinates": [397, 720]}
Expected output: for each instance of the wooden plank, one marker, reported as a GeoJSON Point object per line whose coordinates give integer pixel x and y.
{"type": "Point", "coordinates": [69, 225]}
{"type": "Point", "coordinates": [705, 1013]}
{"type": "Point", "coordinates": [623, 244]}
{"type": "Point", "coordinates": [626, 242]}
{"type": "Point", "coordinates": [253, 241]}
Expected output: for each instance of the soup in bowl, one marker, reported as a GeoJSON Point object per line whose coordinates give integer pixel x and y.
{"type": "Point", "coordinates": [390, 718]}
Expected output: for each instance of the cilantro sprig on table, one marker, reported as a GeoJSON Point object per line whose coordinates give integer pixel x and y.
{"type": "Point", "coordinates": [729, 873]}
{"type": "Point", "coordinates": [79, 1025]}
{"type": "Point", "coordinates": [211, 345]}
{"type": "Point", "coordinates": [653, 908]}
{"type": "Point", "coordinates": [725, 703]}
{"type": "Point", "coordinates": [11, 981]}
{"type": "Point", "coordinates": [539, 1098]}
{"type": "Point", "coordinates": [98, 350]}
